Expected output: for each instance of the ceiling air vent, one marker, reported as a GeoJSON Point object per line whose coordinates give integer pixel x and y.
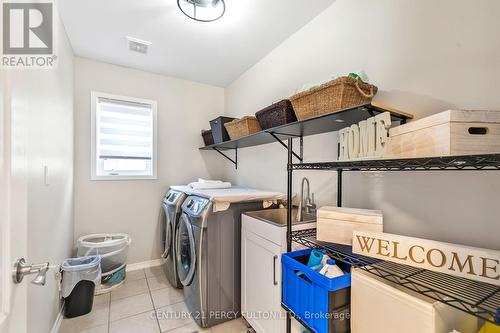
{"type": "Point", "coordinates": [138, 45]}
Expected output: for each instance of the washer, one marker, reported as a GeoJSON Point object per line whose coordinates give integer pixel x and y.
{"type": "Point", "coordinates": [172, 207]}
{"type": "Point", "coordinates": [209, 259]}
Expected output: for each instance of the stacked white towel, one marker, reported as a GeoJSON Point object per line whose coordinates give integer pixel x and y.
{"type": "Point", "coordinates": [204, 184]}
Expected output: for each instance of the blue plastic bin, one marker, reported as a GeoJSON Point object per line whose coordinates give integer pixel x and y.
{"type": "Point", "coordinates": [320, 302]}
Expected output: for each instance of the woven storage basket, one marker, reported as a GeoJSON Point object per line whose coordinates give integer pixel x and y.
{"type": "Point", "coordinates": [341, 93]}
{"type": "Point", "coordinates": [242, 127]}
{"type": "Point", "coordinates": [208, 139]}
{"type": "Point", "coordinates": [277, 114]}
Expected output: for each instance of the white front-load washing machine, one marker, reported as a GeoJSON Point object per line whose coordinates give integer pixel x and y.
{"type": "Point", "coordinates": [208, 250]}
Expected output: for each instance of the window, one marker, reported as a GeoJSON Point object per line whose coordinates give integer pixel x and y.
{"type": "Point", "coordinates": [123, 137]}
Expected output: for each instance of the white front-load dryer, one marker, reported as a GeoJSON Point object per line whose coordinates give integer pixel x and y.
{"type": "Point", "coordinates": [172, 208]}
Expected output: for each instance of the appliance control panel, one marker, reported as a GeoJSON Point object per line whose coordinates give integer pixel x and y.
{"type": "Point", "coordinates": [171, 197]}
{"type": "Point", "coordinates": [195, 205]}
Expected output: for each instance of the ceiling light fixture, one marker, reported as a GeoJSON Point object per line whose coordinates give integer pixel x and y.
{"type": "Point", "coordinates": [202, 10]}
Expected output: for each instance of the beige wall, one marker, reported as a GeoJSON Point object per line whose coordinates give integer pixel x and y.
{"type": "Point", "coordinates": [132, 207]}
{"type": "Point", "coordinates": [41, 102]}
{"type": "Point", "coordinates": [425, 56]}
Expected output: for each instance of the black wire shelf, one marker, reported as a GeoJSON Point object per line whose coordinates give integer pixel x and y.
{"type": "Point", "coordinates": [325, 123]}
{"type": "Point", "coordinates": [465, 162]}
{"type": "Point", "coordinates": [476, 298]}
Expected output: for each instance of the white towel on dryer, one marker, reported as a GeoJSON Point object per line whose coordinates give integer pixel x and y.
{"type": "Point", "coordinates": [203, 184]}
{"type": "Point", "coordinates": [222, 198]}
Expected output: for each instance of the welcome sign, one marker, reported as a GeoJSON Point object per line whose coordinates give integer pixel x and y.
{"type": "Point", "coordinates": [471, 263]}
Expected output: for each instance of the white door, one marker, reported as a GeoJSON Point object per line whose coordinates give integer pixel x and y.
{"type": "Point", "coordinates": [261, 283]}
{"type": "Point", "coordinates": [13, 210]}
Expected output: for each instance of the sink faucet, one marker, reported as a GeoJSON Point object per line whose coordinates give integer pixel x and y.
{"type": "Point", "coordinates": [306, 202]}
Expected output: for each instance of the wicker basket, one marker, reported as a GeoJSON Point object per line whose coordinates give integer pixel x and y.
{"type": "Point", "coordinates": [277, 114]}
{"type": "Point", "coordinates": [341, 93]}
{"type": "Point", "coordinates": [208, 139]}
{"type": "Point", "coordinates": [242, 127]}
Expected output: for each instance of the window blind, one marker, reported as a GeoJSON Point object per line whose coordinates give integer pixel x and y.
{"type": "Point", "coordinates": [124, 130]}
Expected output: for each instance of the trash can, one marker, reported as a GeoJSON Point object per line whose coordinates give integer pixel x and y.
{"type": "Point", "coordinates": [113, 249]}
{"type": "Point", "coordinates": [79, 279]}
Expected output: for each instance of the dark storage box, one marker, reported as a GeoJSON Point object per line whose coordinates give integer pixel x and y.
{"type": "Point", "coordinates": [320, 302]}
{"type": "Point", "coordinates": [219, 132]}
{"type": "Point", "coordinates": [279, 113]}
{"type": "Point", "coordinates": [207, 137]}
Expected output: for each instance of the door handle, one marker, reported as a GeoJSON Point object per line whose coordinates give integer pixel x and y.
{"type": "Point", "coordinates": [21, 268]}
{"type": "Point", "coordinates": [274, 270]}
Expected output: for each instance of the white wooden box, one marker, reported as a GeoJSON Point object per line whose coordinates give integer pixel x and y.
{"type": "Point", "coordinates": [452, 132]}
{"type": "Point", "coordinates": [337, 224]}
{"type": "Point", "coordinates": [379, 306]}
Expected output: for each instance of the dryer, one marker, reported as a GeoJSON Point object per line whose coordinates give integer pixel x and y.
{"type": "Point", "coordinates": [209, 259]}
{"type": "Point", "coordinates": [172, 207]}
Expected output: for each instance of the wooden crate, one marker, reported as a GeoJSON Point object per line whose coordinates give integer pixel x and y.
{"type": "Point", "coordinates": [337, 224]}
{"type": "Point", "coordinates": [452, 132]}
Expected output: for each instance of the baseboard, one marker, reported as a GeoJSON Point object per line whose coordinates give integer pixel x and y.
{"type": "Point", "coordinates": [144, 264]}
{"type": "Point", "coordinates": [58, 321]}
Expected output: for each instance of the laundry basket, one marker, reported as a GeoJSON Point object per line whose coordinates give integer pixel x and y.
{"type": "Point", "coordinates": [113, 249]}
{"type": "Point", "coordinates": [341, 93]}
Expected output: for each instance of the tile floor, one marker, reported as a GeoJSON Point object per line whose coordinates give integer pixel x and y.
{"type": "Point", "coordinates": [137, 307]}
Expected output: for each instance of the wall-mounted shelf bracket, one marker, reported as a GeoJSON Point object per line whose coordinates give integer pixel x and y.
{"type": "Point", "coordinates": [300, 155]}
{"type": "Point", "coordinates": [235, 161]}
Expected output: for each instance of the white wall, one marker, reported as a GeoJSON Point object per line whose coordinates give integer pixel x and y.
{"type": "Point", "coordinates": [133, 207]}
{"type": "Point", "coordinates": [425, 56]}
{"type": "Point", "coordinates": [42, 102]}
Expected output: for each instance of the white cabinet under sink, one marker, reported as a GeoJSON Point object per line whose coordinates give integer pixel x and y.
{"type": "Point", "coordinates": [260, 287]}
{"type": "Point", "coordinates": [262, 244]}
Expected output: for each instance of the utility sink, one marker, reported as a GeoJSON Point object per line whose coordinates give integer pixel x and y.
{"type": "Point", "coordinates": [278, 216]}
